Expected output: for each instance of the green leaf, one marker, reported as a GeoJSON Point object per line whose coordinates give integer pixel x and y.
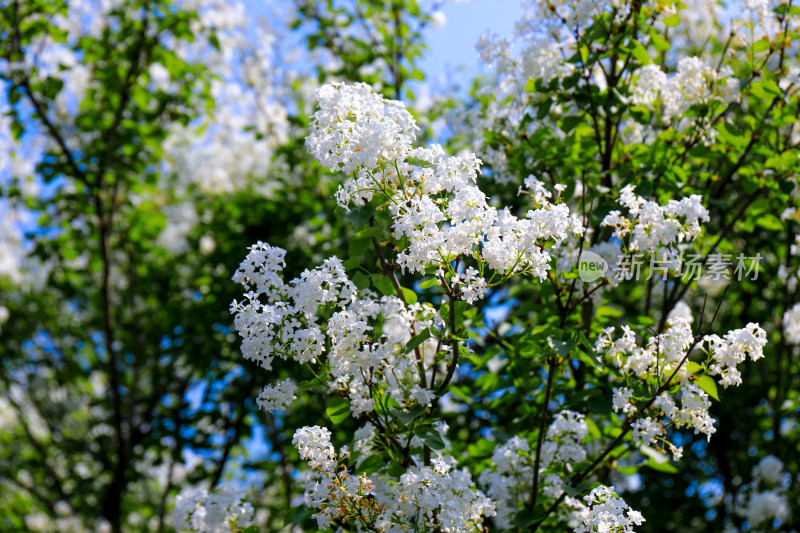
{"type": "Point", "coordinates": [406, 417]}
{"type": "Point", "coordinates": [640, 53]}
{"type": "Point", "coordinates": [371, 464]}
{"type": "Point", "coordinates": [409, 295]}
{"type": "Point", "coordinates": [428, 283]}
{"type": "Point", "coordinates": [382, 283]}
{"type": "Point", "coordinates": [667, 467]}
{"type": "Point", "coordinates": [761, 45]}
{"type": "Point", "coordinates": [429, 437]}
{"type": "Point", "coordinates": [358, 216]}
{"type": "Point", "coordinates": [659, 42]}
{"type": "Point", "coordinates": [251, 529]}
{"type": "Point", "coordinates": [658, 461]}
{"type": "Point", "coordinates": [693, 367]}
{"type": "Point", "coordinates": [529, 516]}
{"type": "Point", "coordinates": [299, 514]}
{"type": "Point", "coordinates": [366, 233]}
{"type": "Point", "coordinates": [584, 51]}
{"type": "Point", "coordinates": [360, 280]}
{"type": "Point", "coordinates": [338, 410]}
{"type": "Point", "coordinates": [590, 357]}
{"type": "Point", "coordinates": [563, 348]}
{"type": "Point", "coordinates": [598, 402]}
{"type": "Point", "coordinates": [358, 247]}
{"type": "Point", "coordinates": [769, 222]}
{"type": "Point", "coordinates": [708, 385]}
{"type": "Point", "coordinates": [418, 339]}
{"type": "Point", "coordinates": [672, 20]}
{"type": "Point", "coordinates": [571, 122]}
{"type": "Point", "coordinates": [605, 312]}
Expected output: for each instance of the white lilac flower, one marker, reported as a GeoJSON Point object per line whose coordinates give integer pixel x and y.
{"type": "Point", "coordinates": [607, 512]}
{"type": "Point", "coordinates": [791, 324]}
{"type": "Point", "coordinates": [622, 400]}
{"type": "Point", "coordinates": [645, 430]}
{"type": "Point", "coordinates": [221, 511]}
{"type": "Point", "coordinates": [652, 226]}
{"type": "Point", "coordinates": [277, 397]}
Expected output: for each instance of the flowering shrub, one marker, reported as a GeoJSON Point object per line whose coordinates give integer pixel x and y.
{"type": "Point", "coordinates": [563, 300]}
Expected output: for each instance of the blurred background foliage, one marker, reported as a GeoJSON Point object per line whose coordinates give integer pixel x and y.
{"type": "Point", "coordinates": [146, 143]}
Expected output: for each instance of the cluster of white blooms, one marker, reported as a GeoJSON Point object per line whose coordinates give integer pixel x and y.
{"type": "Point", "coordinates": [658, 359]}
{"type": "Point", "coordinates": [791, 324]}
{"type": "Point", "coordinates": [665, 356]}
{"type": "Point", "coordinates": [220, 511]}
{"type": "Point", "coordinates": [732, 349]}
{"type": "Point", "coordinates": [444, 498]}
{"type": "Point", "coordinates": [230, 146]}
{"type": "Point", "coordinates": [541, 48]}
{"type": "Point", "coordinates": [64, 521]}
{"type": "Point", "coordinates": [538, 49]}
{"type": "Point", "coordinates": [651, 226]}
{"type": "Point", "coordinates": [564, 437]}
{"type": "Point", "coordinates": [12, 243]}
{"type": "Point", "coordinates": [621, 400]}
{"type": "Point", "coordinates": [314, 445]}
{"type": "Point", "coordinates": [321, 313]}
{"type": "Point", "coordinates": [180, 220]}
{"type": "Point", "coordinates": [433, 198]}
{"type": "Point", "coordinates": [607, 512]}
{"type": "Point", "coordinates": [431, 498]}
{"type": "Point", "coordinates": [764, 504]}
{"type": "Point", "coordinates": [355, 130]}
{"type": "Point", "coordinates": [277, 397]}
{"type": "Point", "coordinates": [508, 480]}
{"type": "Point", "coordinates": [645, 430]}
{"type": "Point", "coordinates": [692, 83]}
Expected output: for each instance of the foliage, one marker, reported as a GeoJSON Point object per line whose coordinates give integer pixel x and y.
{"type": "Point", "coordinates": [434, 299]}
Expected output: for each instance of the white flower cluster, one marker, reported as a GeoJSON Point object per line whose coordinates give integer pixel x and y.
{"type": "Point", "coordinates": [64, 521]}
{"type": "Point", "coordinates": [356, 130]}
{"type": "Point", "coordinates": [607, 512]}
{"type": "Point", "coordinates": [230, 147]}
{"type": "Point", "coordinates": [564, 437]}
{"type": "Point", "coordinates": [621, 400]}
{"type": "Point", "coordinates": [277, 397]}
{"type": "Point", "coordinates": [320, 313]}
{"type": "Point", "coordinates": [765, 501]}
{"type": "Point", "coordinates": [221, 511]}
{"type": "Point", "coordinates": [660, 359]}
{"type": "Point", "coordinates": [692, 83]}
{"type": "Point", "coordinates": [433, 198]}
{"type": "Point", "coordinates": [444, 498]}
{"type": "Point", "coordinates": [791, 324]}
{"type": "Point", "coordinates": [732, 349]}
{"type": "Point", "coordinates": [425, 498]}
{"type": "Point", "coordinates": [651, 225]}
{"type": "Point", "coordinates": [509, 479]}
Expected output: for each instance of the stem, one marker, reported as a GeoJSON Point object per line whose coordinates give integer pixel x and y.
{"type": "Point", "coordinates": [451, 368]}
{"type": "Point", "coordinates": [551, 367]}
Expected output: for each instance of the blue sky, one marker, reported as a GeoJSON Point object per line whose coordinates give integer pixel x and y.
{"type": "Point", "coordinates": [451, 46]}
{"type": "Point", "coordinates": [454, 44]}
